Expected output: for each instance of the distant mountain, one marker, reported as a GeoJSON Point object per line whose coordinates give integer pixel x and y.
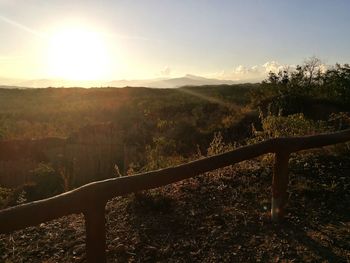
{"type": "Point", "coordinates": [187, 80]}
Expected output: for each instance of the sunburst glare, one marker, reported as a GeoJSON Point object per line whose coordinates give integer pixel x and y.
{"type": "Point", "coordinates": [78, 53]}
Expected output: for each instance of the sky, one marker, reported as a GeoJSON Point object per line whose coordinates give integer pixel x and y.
{"type": "Point", "coordinates": [129, 39]}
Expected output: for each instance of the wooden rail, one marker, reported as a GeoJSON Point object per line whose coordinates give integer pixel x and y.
{"type": "Point", "coordinates": [91, 199]}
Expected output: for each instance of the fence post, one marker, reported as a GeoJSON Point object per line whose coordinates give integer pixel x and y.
{"type": "Point", "coordinates": [279, 185]}
{"type": "Point", "coordinates": [95, 233]}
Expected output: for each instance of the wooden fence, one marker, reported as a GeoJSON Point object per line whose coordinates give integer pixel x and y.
{"type": "Point", "coordinates": [91, 199]}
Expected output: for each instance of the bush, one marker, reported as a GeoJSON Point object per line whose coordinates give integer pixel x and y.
{"type": "Point", "coordinates": [274, 126]}
{"type": "Point", "coordinates": [218, 145]}
{"type": "Point", "coordinates": [46, 182]}
{"type": "Point", "coordinates": [5, 195]}
{"type": "Point", "coordinates": [340, 120]}
{"type": "Point", "coordinates": [162, 154]}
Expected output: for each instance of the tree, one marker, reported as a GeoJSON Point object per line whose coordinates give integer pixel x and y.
{"type": "Point", "coordinates": [290, 89]}
{"type": "Point", "coordinates": [312, 69]}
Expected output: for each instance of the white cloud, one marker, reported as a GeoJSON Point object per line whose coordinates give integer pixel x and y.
{"type": "Point", "coordinates": [255, 73]}
{"type": "Point", "coordinates": [252, 73]}
{"type": "Point", "coordinates": [272, 66]}
{"type": "Point", "coordinates": [165, 72]}
{"type": "Point", "coordinates": [255, 68]}
{"type": "Point", "coordinates": [239, 70]}
{"type": "Point", "coordinates": [323, 68]}
{"type": "Point", "coordinates": [245, 72]}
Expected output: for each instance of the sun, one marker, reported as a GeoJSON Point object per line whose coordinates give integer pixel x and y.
{"type": "Point", "coordinates": [77, 53]}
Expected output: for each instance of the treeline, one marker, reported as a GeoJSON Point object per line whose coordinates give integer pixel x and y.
{"type": "Point", "coordinates": [297, 90]}
{"type": "Point", "coordinates": [311, 98]}
{"type": "Point", "coordinates": [37, 113]}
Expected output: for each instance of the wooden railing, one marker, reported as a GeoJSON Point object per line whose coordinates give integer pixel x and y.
{"type": "Point", "coordinates": [91, 199]}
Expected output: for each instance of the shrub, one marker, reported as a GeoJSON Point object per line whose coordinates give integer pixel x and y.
{"type": "Point", "coordinates": [274, 126]}
{"type": "Point", "coordinates": [5, 195]}
{"type": "Point", "coordinates": [46, 182]}
{"type": "Point", "coordinates": [218, 145]}
{"type": "Point", "coordinates": [340, 120]}
{"type": "Point", "coordinates": [162, 154]}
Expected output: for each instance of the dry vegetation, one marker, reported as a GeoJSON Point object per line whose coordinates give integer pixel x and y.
{"type": "Point", "coordinates": [222, 216]}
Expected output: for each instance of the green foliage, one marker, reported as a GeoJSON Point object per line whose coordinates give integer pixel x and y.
{"type": "Point", "coordinates": [5, 195]}
{"type": "Point", "coordinates": [274, 126]}
{"type": "Point", "coordinates": [46, 182]}
{"type": "Point", "coordinates": [311, 83]}
{"type": "Point", "coordinates": [336, 84]}
{"type": "Point", "coordinates": [11, 197]}
{"type": "Point", "coordinates": [217, 145]}
{"type": "Point", "coordinates": [162, 154]}
{"type": "Point", "coordinates": [340, 120]}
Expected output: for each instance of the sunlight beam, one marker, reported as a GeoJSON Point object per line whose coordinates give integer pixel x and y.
{"type": "Point", "coordinates": [20, 26]}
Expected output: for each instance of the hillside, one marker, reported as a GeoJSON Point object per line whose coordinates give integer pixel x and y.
{"type": "Point", "coordinates": [54, 140]}
{"type": "Point", "coordinates": [37, 113]}
{"type": "Point", "coordinates": [138, 122]}
{"type": "Point", "coordinates": [222, 216]}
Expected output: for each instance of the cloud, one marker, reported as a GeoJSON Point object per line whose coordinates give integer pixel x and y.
{"type": "Point", "coordinates": [252, 73]}
{"type": "Point", "coordinates": [165, 72]}
{"type": "Point", "coordinates": [260, 72]}
{"type": "Point", "coordinates": [323, 68]}
{"type": "Point", "coordinates": [242, 70]}
{"type": "Point", "coordinates": [272, 66]}
{"type": "Point", "coordinates": [255, 73]}
{"type": "Point", "coordinates": [247, 73]}
{"type": "Point", "coordinates": [255, 68]}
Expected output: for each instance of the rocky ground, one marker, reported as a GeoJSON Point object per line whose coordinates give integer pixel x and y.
{"type": "Point", "coordinates": [221, 216]}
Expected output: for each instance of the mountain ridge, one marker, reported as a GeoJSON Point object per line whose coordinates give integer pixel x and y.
{"type": "Point", "coordinates": [175, 82]}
